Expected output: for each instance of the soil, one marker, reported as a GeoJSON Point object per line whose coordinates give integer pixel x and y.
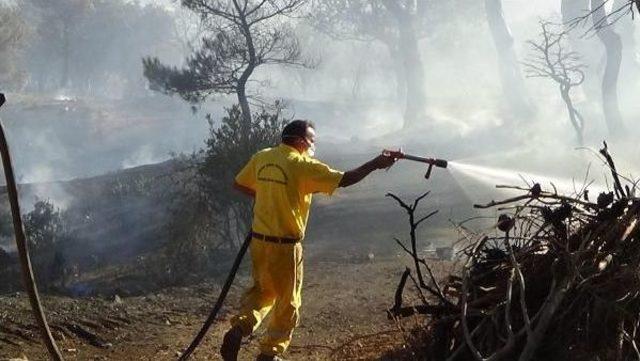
{"type": "Point", "coordinates": [343, 318]}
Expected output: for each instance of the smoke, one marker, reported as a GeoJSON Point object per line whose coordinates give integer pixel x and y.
{"type": "Point", "coordinates": [146, 154]}
{"type": "Point", "coordinates": [357, 98]}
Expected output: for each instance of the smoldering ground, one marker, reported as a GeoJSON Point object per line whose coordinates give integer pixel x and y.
{"type": "Point", "coordinates": [85, 110]}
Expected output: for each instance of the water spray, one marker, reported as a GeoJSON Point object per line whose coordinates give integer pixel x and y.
{"type": "Point", "coordinates": [399, 154]}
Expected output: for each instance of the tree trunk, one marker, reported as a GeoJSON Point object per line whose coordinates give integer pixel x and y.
{"type": "Point", "coordinates": [585, 46]}
{"type": "Point", "coordinates": [626, 28]}
{"type": "Point", "coordinates": [244, 105]}
{"type": "Point", "coordinates": [398, 69]}
{"type": "Point", "coordinates": [246, 74]}
{"type": "Point", "coordinates": [630, 69]}
{"type": "Point", "coordinates": [613, 47]}
{"type": "Point", "coordinates": [409, 52]}
{"type": "Point", "coordinates": [415, 109]}
{"type": "Point", "coordinates": [66, 45]}
{"type": "Point", "coordinates": [510, 75]}
{"type": "Point", "coordinates": [574, 116]}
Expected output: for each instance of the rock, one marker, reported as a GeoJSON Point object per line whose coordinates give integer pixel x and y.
{"type": "Point", "coordinates": [117, 299]}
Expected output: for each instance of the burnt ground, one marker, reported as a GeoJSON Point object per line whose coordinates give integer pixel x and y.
{"type": "Point", "coordinates": [343, 318]}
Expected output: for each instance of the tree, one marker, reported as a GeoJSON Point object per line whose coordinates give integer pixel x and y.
{"type": "Point", "coordinates": [613, 49]}
{"type": "Point", "coordinates": [206, 213]}
{"type": "Point", "coordinates": [6, 225]}
{"type": "Point", "coordinates": [116, 34]}
{"type": "Point", "coordinates": [13, 33]}
{"type": "Point", "coordinates": [626, 28]}
{"type": "Point", "coordinates": [621, 8]}
{"type": "Point", "coordinates": [105, 43]}
{"type": "Point", "coordinates": [509, 68]}
{"type": "Point", "coordinates": [399, 24]}
{"type": "Point", "coordinates": [58, 25]}
{"type": "Point", "coordinates": [46, 233]}
{"type": "Point", "coordinates": [550, 60]}
{"type": "Point", "coordinates": [241, 35]}
{"type": "Point", "coordinates": [572, 10]}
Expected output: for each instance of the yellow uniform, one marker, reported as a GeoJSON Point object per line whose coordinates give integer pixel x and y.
{"type": "Point", "coordinates": [283, 180]}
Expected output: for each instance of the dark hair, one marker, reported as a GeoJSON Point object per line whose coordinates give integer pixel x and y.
{"type": "Point", "coordinates": [296, 128]}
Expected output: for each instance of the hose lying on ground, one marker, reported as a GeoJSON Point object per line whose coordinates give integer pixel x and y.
{"type": "Point", "coordinates": [216, 308]}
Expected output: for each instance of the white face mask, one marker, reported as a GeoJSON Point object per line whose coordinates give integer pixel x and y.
{"type": "Point", "coordinates": [311, 151]}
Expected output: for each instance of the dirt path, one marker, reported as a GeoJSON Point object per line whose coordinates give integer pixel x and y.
{"type": "Point", "coordinates": [343, 318]}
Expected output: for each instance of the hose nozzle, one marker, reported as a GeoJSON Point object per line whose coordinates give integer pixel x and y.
{"type": "Point", "coordinates": [440, 163]}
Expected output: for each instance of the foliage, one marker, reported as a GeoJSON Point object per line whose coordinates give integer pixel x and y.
{"type": "Point", "coordinates": [238, 39]}
{"type": "Point", "coordinates": [93, 45]}
{"type": "Point", "coordinates": [207, 214]}
{"type": "Point", "coordinates": [43, 226]}
{"type": "Point", "coordinates": [364, 20]}
{"type": "Point", "coordinates": [382, 20]}
{"type": "Point", "coordinates": [46, 233]}
{"type": "Point", "coordinates": [13, 33]}
{"type": "Point", "coordinates": [6, 227]}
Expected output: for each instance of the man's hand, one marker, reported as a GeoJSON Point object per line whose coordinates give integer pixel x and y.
{"type": "Point", "coordinates": [382, 161]}
{"type": "Point", "coordinates": [356, 175]}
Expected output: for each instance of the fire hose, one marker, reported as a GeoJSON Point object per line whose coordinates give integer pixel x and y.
{"type": "Point", "coordinates": [399, 154]}
{"type": "Point", "coordinates": [23, 249]}
{"type": "Point", "coordinates": [27, 270]}
{"type": "Point", "coordinates": [218, 305]}
{"type": "Point", "coordinates": [431, 162]}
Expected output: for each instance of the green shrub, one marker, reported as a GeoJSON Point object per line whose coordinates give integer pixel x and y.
{"type": "Point", "coordinates": [209, 218]}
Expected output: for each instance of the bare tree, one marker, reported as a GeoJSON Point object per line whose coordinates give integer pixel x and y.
{"type": "Point", "coordinates": [399, 24]}
{"type": "Point", "coordinates": [551, 60]}
{"type": "Point", "coordinates": [240, 36]}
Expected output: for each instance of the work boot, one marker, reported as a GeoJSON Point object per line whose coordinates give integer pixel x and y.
{"type": "Point", "coordinates": [263, 357]}
{"type": "Point", "coordinates": [231, 344]}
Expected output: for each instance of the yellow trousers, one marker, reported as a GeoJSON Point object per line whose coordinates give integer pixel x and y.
{"type": "Point", "coordinates": [277, 286]}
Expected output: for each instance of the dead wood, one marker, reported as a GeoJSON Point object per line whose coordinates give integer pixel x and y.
{"type": "Point", "coordinates": [559, 280]}
{"type": "Point", "coordinates": [86, 335]}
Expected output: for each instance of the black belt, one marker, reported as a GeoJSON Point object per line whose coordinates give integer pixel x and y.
{"type": "Point", "coordinates": [272, 239]}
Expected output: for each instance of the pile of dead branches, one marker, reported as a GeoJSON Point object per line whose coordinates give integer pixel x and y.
{"type": "Point", "coordinates": [558, 280]}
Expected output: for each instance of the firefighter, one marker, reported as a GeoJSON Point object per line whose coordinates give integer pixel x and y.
{"type": "Point", "coordinates": [282, 181]}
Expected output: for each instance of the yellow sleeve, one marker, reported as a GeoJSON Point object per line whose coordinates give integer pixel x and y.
{"type": "Point", "coordinates": [247, 176]}
{"type": "Point", "coordinates": [318, 177]}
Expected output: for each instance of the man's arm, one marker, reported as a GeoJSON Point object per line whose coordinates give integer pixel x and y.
{"type": "Point", "coordinates": [356, 175]}
{"type": "Point", "coordinates": [247, 191]}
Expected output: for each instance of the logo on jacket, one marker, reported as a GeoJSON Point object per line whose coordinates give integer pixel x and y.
{"type": "Point", "coordinates": [273, 173]}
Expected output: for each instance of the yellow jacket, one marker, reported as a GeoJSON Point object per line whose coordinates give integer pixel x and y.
{"type": "Point", "coordinates": [284, 180]}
